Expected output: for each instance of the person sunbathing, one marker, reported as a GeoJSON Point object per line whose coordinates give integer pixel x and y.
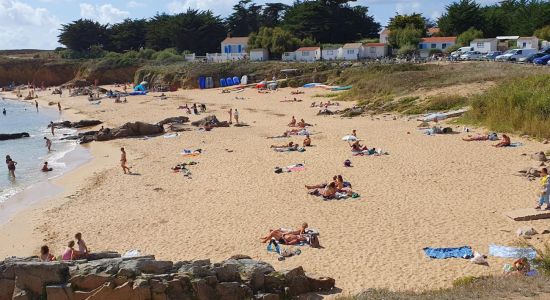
{"type": "Point", "coordinates": [278, 234]}
{"type": "Point", "coordinates": [476, 138]}
{"type": "Point", "coordinates": [521, 266]}
{"type": "Point", "coordinates": [289, 145]}
{"type": "Point", "coordinates": [293, 239]}
{"type": "Point", "coordinates": [504, 143]}
{"type": "Point", "coordinates": [292, 122]}
{"type": "Point", "coordinates": [307, 141]}
{"type": "Point", "coordinates": [294, 132]}
{"type": "Point", "coordinates": [341, 185]}
{"type": "Point", "coordinates": [313, 104]}
{"type": "Point", "coordinates": [357, 147]}
{"type": "Point", "coordinates": [302, 123]}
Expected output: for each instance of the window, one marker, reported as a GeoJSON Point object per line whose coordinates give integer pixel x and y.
{"type": "Point", "coordinates": [481, 45]}
{"type": "Point", "coordinates": [420, 46]}
{"type": "Point", "coordinates": [443, 46]}
{"type": "Point", "coordinates": [372, 50]}
{"type": "Point", "coordinates": [330, 52]}
{"type": "Point", "coordinates": [305, 53]}
{"type": "Point", "coordinates": [351, 51]}
{"type": "Point", "coordinates": [524, 45]}
{"type": "Point", "coordinates": [434, 46]}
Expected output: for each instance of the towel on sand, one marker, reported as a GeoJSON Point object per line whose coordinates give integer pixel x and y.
{"type": "Point", "coordinates": [443, 253]}
{"type": "Point", "coordinates": [512, 252]}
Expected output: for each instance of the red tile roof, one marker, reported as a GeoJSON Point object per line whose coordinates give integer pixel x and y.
{"type": "Point", "coordinates": [433, 30]}
{"type": "Point", "coordinates": [439, 39]}
{"type": "Point", "coordinates": [375, 44]}
{"type": "Point", "coordinates": [309, 49]}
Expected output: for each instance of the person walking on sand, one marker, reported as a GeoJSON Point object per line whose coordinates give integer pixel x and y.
{"type": "Point", "coordinates": [123, 161]}
{"type": "Point", "coordinates": [48, 143]}
{"type": "Point", "coordinates": [236, 115]}
{"type": "Point", "coordinates": [545, 191]}
{"type": "Point", "coordinates": [230, 116]}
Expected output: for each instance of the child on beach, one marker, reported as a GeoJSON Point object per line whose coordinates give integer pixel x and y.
{"type": "Point", "coordinates": [48, 143]}
{"type": "Point", "coordinates": [69, 253]}
{"type": "Point", "coordinates": [230, 116]}
{"type": "Point", "coordinates": [123, 161]}
{"type": "Point", "coordinates": [83, 250]}
{"type": "Point", "coordinates": [307, 141]}
{"type": "Point", "coordinates": [45, 254]}
{"type": "Point", "coordinates": [236, 115]}
{"type": "Point", "coordinates": [545, 192]}
{"type": "Point", "coordinates": [45, 167]}
{"type": "Point", "coordinates": [11, 166]}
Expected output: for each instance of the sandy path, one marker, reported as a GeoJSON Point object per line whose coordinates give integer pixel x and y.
{"type": "Point", "coordinates": [431, 191]}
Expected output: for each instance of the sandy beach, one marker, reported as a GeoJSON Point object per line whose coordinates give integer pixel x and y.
{"type": "Point", "coordinates": [430, 191]}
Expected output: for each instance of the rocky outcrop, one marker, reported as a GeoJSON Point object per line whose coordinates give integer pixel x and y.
{"type": "Point", "coordinates": [173, 120]}
{"type": "Point", "coordinates": [211, 121]}
{"type": "Point", "coordinates": [79, 124]}
{"type": "Point", "coordinates": [13, 136]}
{"type": "Point", "coordinates": [37, 71]}
{"type": "Point", "coordinates": [108, 276]}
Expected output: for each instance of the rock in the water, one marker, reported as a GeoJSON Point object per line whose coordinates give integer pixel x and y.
{"type": "Point", "coordinates": [78, 124]}
{"type": "Point", "coordinates": [13, 136]}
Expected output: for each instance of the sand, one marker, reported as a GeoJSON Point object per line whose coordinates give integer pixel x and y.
{"type": "Point", "coordinates": [433, 191]}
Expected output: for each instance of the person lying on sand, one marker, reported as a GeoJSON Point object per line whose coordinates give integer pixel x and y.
{"type": "Point", "coordinates": [289, 145]}
{"type": "Point", "coordinates": [341, 185]}
{"type": "Point", "coordinates": [296, 92]}
{"type": "Point", "coordinates": [292, 122]}
{"type": "Point", "coordinates": [292, 100]}
{"type": "Point", "coordinates": [476, 138]}
{"type": "Point", "coordinates": [505, 142]}
{"type": "Point", "coordinates": [521, 267]}
{"type": "Point", "coordinates": [307, 141]}
{"type": "Point", "coordinates": [294, 132]}
{"type": "Point", "coordinates": [302, 123]}
{"type": "Point", "coordinates": [279, 233]}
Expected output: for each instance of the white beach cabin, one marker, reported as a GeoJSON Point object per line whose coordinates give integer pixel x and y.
{"type": "Point", "coordinates": [432, 43]}
{"type": "Point", "coordinates": [234, 47]}
{"type": "Point", "coordinates": [375, 50]}
{"type": "Point", "coordinates": [259, 54]}
{"type": "Point", "coordinates": [352, 51]}
{"type": "Point", "coordinates": [308, 54]}
{"type": "Point", "coordinates": [330, 53]}
{"type": "Point", "coordinates": [289, 56]}
{"type": "Point", "coordinates": [531, 42]}
{"type": "Point", "coordinates": [384, 35]}
{"type": "Point", "coordinates": [484, 45]}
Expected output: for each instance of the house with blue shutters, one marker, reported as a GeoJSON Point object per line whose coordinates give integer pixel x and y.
{"type": "Point", "coordinates": [440, 43]}
{"type": "Point", "coordinates": [235, 47]}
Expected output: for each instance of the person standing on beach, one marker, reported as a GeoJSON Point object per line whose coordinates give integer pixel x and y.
{"type": "Point", "coordinates": [52, 128]}
{"type": "Point", "coordinates": [230, 116]}
{"type": "Point", "coordinates": [4, 111]}
{"type": "Point", "coordinates": [545, 192]}
{"type": "Point", "coordinates": [123, 161]}
{"type": "Point", "coordinates": [59, 106]}
{"type": "Point", "coordinates": [36, 104]}
{"type": "Point", "coordinates": [48, 143]}
{"type": "Point", "coordinates": [236, 115]}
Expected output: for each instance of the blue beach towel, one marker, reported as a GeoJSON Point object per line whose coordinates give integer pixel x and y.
{"type": "Point", "coordinates": [443, 253]}
{"type": "Point", "coordinates": [514, 145]}
{"type": "Point", "coordinates": [512, 252]}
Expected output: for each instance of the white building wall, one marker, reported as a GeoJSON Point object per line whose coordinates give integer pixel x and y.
{"type": "Point", "coordinates": [289, 56]}
{"type": "Point", "coordinates": [351, 54]}
{"type": "Point", "coordinates": [375, 51]}
{"type": "Point", "coordinates": [308, 55]}
{"type": "Point", "coordinates": [485, 46]}
{"type": "Point", "coordinates": [259, 55]}
{"type": "Point", "coordinates": [528, 43]}
{"type": "Point", "coordinates": [330, 54]}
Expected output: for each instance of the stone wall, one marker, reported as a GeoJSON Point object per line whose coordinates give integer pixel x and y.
{"type": "Point", "coordinates": [107, 276]}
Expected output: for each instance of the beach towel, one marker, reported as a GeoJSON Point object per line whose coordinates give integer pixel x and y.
{"type": "Point", "coordinates": [170, 135]}
{"type": "Point", "coordinates": [289, 149]}
{"type": "Point", "coordinates": [514, 145]}
{"type": "Point", "coordinates": [512, 252]}
{"type": "Point", "coordinates": [443, 253]}
{"type": "Point", "coordinates": [291, 168]}
{"type": "Point", "coordinates": [191, 153]}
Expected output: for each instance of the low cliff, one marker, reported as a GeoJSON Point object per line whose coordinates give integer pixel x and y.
{"type": "Point", "coordinates": [108, 276]}
{"type": "Point", "coordinates": [37, 71]}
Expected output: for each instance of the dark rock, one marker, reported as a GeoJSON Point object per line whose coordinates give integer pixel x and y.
{"type": "Point", "coordinates": [59, 292]}
{"type": "Point", "coordinates": [178, 127]}
{"type": "Point", "coordinates": [267, 296]}
{"type": "Point", "coordinates": [274, 282]}
{"type": "Point", "coordinates": [240, 256]}
{"type": "Point", "coordinates": [174, 120]}
{"type": "Point", "coordinates": [228, 272]}
{"type": "Point", "coordinates": [210, 120]}
{"type": "Point", "coordinates": [103, 255]}
{"type": "Point", "coordinates": [296, 281]}
{"type": "Point", "coordinates": [147, 266]}
{"type": "Point", "coordinates": [253, 271]}
{"type": "Point", "coordinates": [34, 276]}
{"type": "Point", "coordinates": [321, 284]}
{"type": "Point", "coordinates": [13, 136]}
{"type": "Point", "coordinates": [79, 124]}
{"type": "Point", "coordinates": [202, 290]}
{"type": "Point", "coordinates": [233, 291]}
{"type": "Point", "coordinates": [6, 288]}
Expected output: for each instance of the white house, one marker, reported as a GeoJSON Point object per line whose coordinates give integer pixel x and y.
{"type": "Point", "coordinates": [484, 45]}
{"type": "Point", "coordinates": [234, 45]}
{"type": "Point", "coordinates": [531, 42]}
{"type": "Point", "coordinates": [308, 54]}
{"type": "Point", "coordinates": [432, 43]}
{"type": "Point", "coordinates": [384, 34]}
{"type": "Point", "coordinates": [330, 53]}
{"type": "Point", "coordinates": [289, 56]}
{"type": "Point", "coordinates": [352, 51]}
{"type": "Point", "coordinates": [259, 54]}
{"type": "Point", "coordinates": [375, 50]}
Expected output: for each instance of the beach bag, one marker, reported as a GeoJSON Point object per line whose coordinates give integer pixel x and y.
{"type": "Point", "coordinates": [314, 242]}
{"type": "Point", "coordinates": [447, 130]}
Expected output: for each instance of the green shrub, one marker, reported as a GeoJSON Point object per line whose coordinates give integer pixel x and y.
{"type": "Point", "coordinates": [462, 281]}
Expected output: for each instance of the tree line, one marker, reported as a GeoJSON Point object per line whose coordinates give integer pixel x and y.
{"type": "Point", "coordinates": [304, 22]}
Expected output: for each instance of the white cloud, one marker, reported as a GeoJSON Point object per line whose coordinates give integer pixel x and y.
{"type": "Point", "coordinates": [221, 7]}
{"type": "Point", "coordinates": [135, 4]}
{"type": "Point", "coordinates": [25, 26]}
{"type": "Point", "coordinates": [105, 13]}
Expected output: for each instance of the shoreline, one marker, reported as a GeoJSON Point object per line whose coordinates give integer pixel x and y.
{"type": "Point", "coordinates": [20, 208]}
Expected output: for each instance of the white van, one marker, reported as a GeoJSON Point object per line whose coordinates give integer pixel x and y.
{"type": "Point", "coordinates": [460, 51]}
{"type": "Point", "coordinates": [515, 54]}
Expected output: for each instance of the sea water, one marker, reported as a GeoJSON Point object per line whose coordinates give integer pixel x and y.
{"type": "Point", "coordinates": [31, 153]}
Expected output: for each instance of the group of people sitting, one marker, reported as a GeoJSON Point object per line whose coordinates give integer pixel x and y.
{"type": "Point", "coordinates": [70, 252]}
{"type": "Point", "coordinates": [301, 124]}
{"type": "Point", "coordinates": [335, 189]}
{"type": "Point", "coordinates": [325, 105]}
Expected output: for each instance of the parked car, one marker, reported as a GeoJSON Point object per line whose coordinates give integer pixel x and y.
{"type": "Point", "coordinates": [529, 59]}
{"type": "Point", "coordinates": [471, 55]}
{"type": "Point", "coordinates": [456, 54]}
{"type": "Point", "coordinates": [542, 60]}
{"type": "Point", "coordinates": [491, 55]}
{"type": "Point", "coordinates": [515, 54]}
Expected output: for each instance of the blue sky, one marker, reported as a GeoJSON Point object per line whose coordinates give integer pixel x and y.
{"type": "Point", "coordinates": [35, 23]}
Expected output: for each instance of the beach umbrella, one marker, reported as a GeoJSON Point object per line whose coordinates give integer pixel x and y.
{"type": "Point", "coordinates": [349, 138]}
{"type": "Point", "coordinates": [144, 83]}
